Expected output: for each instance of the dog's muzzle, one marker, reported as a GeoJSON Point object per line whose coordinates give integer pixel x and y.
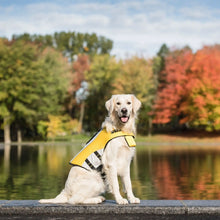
{"type": "Point", "coordinates": [124, 118]}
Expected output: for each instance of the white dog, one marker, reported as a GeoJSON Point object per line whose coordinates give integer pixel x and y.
{"type": "Point", "coordinates": [85, 183]}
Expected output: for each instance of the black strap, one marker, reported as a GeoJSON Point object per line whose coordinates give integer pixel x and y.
{"type": "Point", "coordinates": [90, 165]}
{"type": "Point", "coordinates": [98, 155]}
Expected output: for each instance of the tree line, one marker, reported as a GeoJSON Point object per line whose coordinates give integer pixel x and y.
{"type": "Point", "coordinates": [40, 77]}
{"type": "Point", "coordinates": [189, 90]}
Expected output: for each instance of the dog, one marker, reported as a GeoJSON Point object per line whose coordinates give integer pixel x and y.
{"type": "Point", "coordinates": [85, 185]}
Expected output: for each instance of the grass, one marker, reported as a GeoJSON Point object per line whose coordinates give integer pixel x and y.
{"type": "Point", "coordinates": [184, 137]}
{"type": "Point", "coordinates": [71, 138]}
{"type": "Point", "coordinates": [177, 142]}
{"type": "Point", "coordinates": [184, 140]}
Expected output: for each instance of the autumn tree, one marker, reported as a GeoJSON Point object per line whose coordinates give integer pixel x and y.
{"type": "Point", "coordinates": [136, 77]}
{"type": "Point", "coordinates": [202, 107]}
{"type": "Point", "coordinates": [172, 92]}
{"type": "Point", "coordinates": [75, 101]}
{"type": "Point", "coordinates": [191, 92]}
{"type": "Point", "coordinates": [33, 84]}
{"type": "Point", "coordinates": [78, 69]}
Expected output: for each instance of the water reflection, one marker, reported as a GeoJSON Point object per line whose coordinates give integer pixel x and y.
{"type": "Point", "coordinates": [33, 172]}
{"type": "Point", "coordinates": [176, 174]}
{"type": "Point", "coordinates": [40, 171]}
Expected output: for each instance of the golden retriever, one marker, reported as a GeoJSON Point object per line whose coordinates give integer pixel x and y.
{"type": "Point", "coordinates": [86, 186]}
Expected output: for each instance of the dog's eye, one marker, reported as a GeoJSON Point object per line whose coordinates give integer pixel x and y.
{"type": "Point", "coordinates": [128, 103]}
{"type": "Point", "coordinates": [118, 103]}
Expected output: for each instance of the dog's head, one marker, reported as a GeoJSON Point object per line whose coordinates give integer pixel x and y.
{"type": "Point", "coordinates": [123, 107]}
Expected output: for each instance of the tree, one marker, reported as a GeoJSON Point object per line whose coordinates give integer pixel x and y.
{"type": "Point", "coordinates": [159, 64]}
{"type": "Point", "coordinates": [136, 77]}
{"type": "Point", "coordinates": [79, 67]}
{"type": "Point", "coordinates": [71, 43]}
{"type": "Point", "coordinates": [172, 91]}
{"type": "Point", "coordinates": [201, 108]}
{"type": "Point", "coordinates": [191, 92]}
{"type": "Point", "coordinates": [101, 76]}
{"type": "Point", "coordinates": [32, 83]}
{"type": "Point", "coordinates": [3, 95]}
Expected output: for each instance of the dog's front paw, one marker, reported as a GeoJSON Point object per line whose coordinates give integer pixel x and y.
{"type": "Point", "coordinates": [122, 201]}
{"type": "Point", "coordinates": [134, 200]}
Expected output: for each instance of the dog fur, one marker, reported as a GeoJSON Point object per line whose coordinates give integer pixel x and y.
{"type": "Point", "coordinates": [85, 187]}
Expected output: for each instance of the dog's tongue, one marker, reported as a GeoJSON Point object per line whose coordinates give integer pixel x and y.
{"type": "Point", "coordinates": [124, 119]}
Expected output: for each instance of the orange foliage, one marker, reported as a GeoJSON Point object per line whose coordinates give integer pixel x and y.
{"type": "Point", "coordinates": [171, 93]}
{"type": "Point", "coordinates": [80, 66]}
{"type": "Point", "coordinates": [191, 88]}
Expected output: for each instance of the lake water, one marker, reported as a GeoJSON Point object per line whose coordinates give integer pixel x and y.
{"type": "Point", "coordinates": [157, 172]}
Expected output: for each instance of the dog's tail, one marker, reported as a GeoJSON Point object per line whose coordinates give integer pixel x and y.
{"type": "Point", "coordinates": [61, 198]}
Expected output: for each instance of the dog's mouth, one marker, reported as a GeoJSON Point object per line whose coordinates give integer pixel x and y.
{"type": "Point", "coordinates": [124, 119]}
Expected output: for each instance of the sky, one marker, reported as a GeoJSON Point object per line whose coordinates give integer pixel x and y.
{"type": "Point", "coordinates": [137, 27]}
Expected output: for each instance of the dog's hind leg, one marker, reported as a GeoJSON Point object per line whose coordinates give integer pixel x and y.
{"type": "Point", "coordinates": [61, 198]}
{"type": "Point", "coordinates": [88, 189]}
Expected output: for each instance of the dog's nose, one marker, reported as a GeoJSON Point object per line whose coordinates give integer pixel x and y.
{"type": "Point", "coordinates": [124, 111]}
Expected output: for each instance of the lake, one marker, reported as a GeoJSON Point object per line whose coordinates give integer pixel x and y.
{"type": "Point", "coordinates": [35, 171]}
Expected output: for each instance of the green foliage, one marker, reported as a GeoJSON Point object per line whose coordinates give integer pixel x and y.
{"type": "Point", "coordinates": [101, 77]}
{"type": "Point", "coordinates": [71, 43]}
{"type": "Point", "coordinates": [42, 128]}
{"type": "Point", "coordinates": [136, 77]}
{"type": "Point", "coordinates": [3, 110]}
{"type": "Point", "coordinates": [33, 82]}
{"type": "Point", "coordinates": [159, 65]}
{"type": "Point", "coordinates": [102, 73]}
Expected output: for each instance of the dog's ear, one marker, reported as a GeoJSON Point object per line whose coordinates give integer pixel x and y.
{"type": "Point", "coordinates": [109, 105]}
{"type": "Point", "coordinates": [136, 103]}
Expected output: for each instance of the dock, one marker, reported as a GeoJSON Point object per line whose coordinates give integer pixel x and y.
{"type": "Point", "coordinates": [147, 209]}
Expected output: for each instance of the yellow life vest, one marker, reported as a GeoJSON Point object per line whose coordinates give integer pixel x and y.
{"type": "Point", "coordinates": [90, 156]}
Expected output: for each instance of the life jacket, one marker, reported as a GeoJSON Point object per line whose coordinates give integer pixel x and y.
{"type": "Point", "coordinates": [90, 156]}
